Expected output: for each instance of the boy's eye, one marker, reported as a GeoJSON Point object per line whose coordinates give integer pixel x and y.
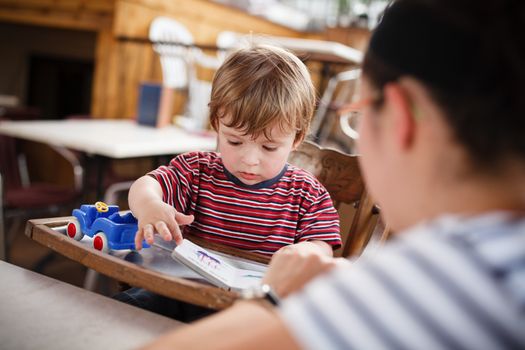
{"type": "Point", "coordinates": [234, 143]}
{"type": "Point", "coordinates": [270, 149]}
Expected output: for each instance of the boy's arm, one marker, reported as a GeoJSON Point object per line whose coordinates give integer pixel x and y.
{"type": "Point", "coordinates": [153, 215]}
{"type": "Point", "coordinates": [145, 189]}
{"type": "Point", "coordinates": [318, 228]}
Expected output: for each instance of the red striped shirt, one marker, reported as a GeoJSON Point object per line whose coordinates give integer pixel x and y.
{"type": "Point", "coordinates": [292, 208]}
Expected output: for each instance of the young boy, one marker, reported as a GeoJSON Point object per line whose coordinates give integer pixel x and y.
{"type": "Point", "coordinates": [246, 196]}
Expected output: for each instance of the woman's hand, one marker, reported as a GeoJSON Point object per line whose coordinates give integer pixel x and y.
{"type": "Point", "coordinates": [293, 266]}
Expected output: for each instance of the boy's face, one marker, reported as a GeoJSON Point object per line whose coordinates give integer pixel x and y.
{"type": "Point", "coordinates": [254, 160]}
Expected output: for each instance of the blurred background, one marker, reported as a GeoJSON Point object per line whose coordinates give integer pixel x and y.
{"type": "Point", "coordinates": [96, 59]}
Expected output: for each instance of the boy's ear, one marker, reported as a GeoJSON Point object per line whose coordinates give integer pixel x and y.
{"type": "Point", "coordinates": [297, 143]}
{"type": "Point", "coordinates": [402, 114]}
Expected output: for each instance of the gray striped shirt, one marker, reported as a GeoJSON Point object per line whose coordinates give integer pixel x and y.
{"type": "Point", "coordinates": [453, 283]}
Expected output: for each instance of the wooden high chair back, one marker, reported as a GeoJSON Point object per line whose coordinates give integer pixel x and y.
{"type": "Point", "coordinates": [340, 174]}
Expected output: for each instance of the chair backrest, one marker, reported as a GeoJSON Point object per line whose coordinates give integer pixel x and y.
{"type": "Point", "coordinates": [11, 161]}
{"type": "Point", "coordinates": [174, 56]}
{"type": "Point", "coordinates": [340, 174]}
{"type": "Point", "coordinates": [9, 167]}
{"type": "Point", "coordinates": [179, 57]}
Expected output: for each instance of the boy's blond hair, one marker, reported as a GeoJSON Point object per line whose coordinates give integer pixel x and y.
{"type": "Point", "coordinates": [262, 86]}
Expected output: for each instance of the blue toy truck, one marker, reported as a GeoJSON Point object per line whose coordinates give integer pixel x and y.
{"type": "Point", "coordinates": [109, 229]}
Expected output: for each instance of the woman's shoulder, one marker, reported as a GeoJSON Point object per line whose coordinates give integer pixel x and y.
{"type": "Point", "coordinates": [464, 269]}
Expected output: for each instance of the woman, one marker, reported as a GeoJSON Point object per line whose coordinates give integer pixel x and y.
{"type": "Point", "coordinates": [443, 152]}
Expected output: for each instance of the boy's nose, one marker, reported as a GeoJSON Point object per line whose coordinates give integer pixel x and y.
{"type": "Point", "coordinates": [250, 158]}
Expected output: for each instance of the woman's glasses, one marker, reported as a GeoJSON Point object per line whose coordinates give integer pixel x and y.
{"type": "Point", "coordinates": [351, 114]}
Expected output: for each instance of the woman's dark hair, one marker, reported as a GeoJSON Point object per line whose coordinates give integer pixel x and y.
{"type": "Point", "coordinates": [470, 55]}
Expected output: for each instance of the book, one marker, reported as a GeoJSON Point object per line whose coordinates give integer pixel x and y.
{"type": "Point", "coordinates": [224, 271]}
{"type": "Point", "coordinates": [148, 103]}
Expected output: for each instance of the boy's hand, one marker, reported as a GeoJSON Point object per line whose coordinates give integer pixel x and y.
{"type": "Point", "coordinates": [160, 217]}
{"type": "Point", "coordinates": [293, 266]}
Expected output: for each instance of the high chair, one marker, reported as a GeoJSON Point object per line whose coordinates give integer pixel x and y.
{"type": "Point", "coordinates": [340, 174]}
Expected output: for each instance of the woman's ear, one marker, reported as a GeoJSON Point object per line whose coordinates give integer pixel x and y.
{"type": "Point", "coordinates": [401, 113]}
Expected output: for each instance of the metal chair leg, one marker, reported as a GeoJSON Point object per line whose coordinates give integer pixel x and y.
{"type": "Point", "coordinates": [3, 253]}
{"type": "Point", "coordinates": [97, 282]}
{"type": "Point", "coordinates": [91, 279]}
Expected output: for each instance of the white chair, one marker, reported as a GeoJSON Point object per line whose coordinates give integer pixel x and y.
{"type": "Point", "coordinates": [178, 56]}
{"type": "Point", "coordinates": [174, 59]}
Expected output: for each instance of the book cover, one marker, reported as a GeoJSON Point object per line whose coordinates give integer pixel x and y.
{"type": "Point", "coordinates": [222, 270]}
{"type": "Point", "coordinates": [148, 103]}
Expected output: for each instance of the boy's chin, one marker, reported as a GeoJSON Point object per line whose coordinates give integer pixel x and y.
{"type": "Point", "coordinates": [249, 179]}
{"type": "Point", "coordinates": [250, 182]}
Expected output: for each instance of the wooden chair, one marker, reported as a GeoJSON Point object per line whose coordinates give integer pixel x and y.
{"type": "Point", "coordinates": [340, 174]}
{"type": "Point", "coordinates": [21, 199]}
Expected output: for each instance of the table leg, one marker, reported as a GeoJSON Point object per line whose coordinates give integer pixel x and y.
{"type": "Point", "coordinates": [2, 223]}
{"type": "Point", "coordinates": [101, 168]}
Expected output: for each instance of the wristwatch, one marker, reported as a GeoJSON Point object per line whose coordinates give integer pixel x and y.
{"type": "Point", "coordinates": [261, 292]}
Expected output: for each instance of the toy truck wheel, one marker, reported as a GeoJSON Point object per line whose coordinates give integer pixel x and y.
{"type": "Point", "coordinates": [73, 230]}
{"type": "Point", "coordinates": [100, 242]}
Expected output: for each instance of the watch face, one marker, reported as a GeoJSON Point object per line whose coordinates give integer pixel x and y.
{"type": "Point", "coordinates": [265, 288]}
{"type": "Point", "coordinates": [263, 291]}
{"type": "Point", "coordinates": [252, 293]}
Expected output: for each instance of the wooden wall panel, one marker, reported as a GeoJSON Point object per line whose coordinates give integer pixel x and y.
{"type": "Point", "coordinates": [130, 63]}
{"type": "Point", "coordinates": [205, 19]}
{"type": "Point", "coordinates": [85, 5]}
{"type": "Point", "coordinates": [73, 14]}
{"type": "Point", "coordinates": [135, 69]}
{"type": "Point", "coordinates": [116, 87]}
{"type": "Point", "coordinates": [101, 81]}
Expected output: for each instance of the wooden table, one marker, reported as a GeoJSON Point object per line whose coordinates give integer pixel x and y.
{"type": "Point", "coordinates": [116, 139]}
{"type": "Point", "coordinates": [38, 312]}
{"type": "Point", "coordinates": [151, 268]}
{"type": "Point", "coordinates": [104, 139]}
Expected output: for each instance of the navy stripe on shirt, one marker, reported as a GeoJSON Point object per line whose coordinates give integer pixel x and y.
{"type": "Point", "coordinates": [476, 311]}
